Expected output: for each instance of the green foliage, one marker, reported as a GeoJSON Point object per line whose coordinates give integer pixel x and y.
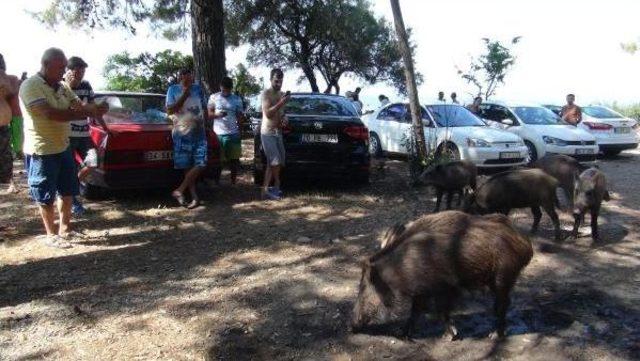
{"type": "Point", "coordinates": [145, 72]}
{"type": "Point", "coordinates": [489, 70]}
{"type": "Point", "coordinates": [329, 37]}
{"type": "Point", "coordinates": [630, 48]}
{"type": "Point", "coordinates": [628, 110]}
{"type": "Point", "coordinates": [245, 84]}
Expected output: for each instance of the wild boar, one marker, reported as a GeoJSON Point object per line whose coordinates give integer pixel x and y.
{"type": "Point", "coordinates": [563, 168]}
{"type": "Point", "coordinates": [590, 191]}
{"type": "Point", "coordinates": [453, 177]}
{"type": "Point", "coordinates": [433, 259]}
{"type": "Point", "coordinates": [522, 188]}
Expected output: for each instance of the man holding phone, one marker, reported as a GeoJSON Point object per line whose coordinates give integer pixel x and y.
{"type": "Point", "coordinates": [226, 111]}
{"type": "Point", "coordinates": [273, 119]}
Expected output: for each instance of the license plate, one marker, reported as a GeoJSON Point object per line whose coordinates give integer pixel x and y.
{"type": "Point", "coordinates": [319, 138]}
{"type": "Point", "coordinates": [584, 151]}
{"type": "Point", "coordinates": [622, 130]}
{"type": "Point", "coordinates": [158, 155]}
{"type": "Point", "coordinates": [510, 155]}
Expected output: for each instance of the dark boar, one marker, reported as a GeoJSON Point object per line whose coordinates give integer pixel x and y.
{"type": "Point", "coordinates": [563, 168]}
{"type": "Point", "coordinates": [433, 259]}
{"type": "Point", "coordinates": [453, 177]}
{"type": "Point", "coordinates": [590, 191]}
{"type": "Point", "coordinates": [522, 188]}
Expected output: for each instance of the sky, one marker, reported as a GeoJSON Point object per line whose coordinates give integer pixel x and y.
{"type": "Point", "coordinates": [567, 46]}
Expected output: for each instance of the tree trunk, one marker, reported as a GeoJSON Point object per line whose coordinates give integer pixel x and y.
{"type": "Point", "coordinates": [311, 77]}
{"type": "Point", "coordinates": [414, 102]}
{"type": "Point", "coordinates": [207, 39]}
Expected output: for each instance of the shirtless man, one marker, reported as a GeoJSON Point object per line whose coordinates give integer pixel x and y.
{"type": "Point", "coordinates": [9, 86]}
{"type": "Point", "coordinates": [571, 113]}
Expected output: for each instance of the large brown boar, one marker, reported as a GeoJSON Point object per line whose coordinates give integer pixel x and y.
{"type": "Point", "coordinates": [522, 188]}
{"type": "Point", "coordinates": [563, 168]}
{"type": "Point", "coordinates": [590, 191]}
{"type": "Point", "coordinates": [433, 259]}
{"type": "Point", "coordinates": [453, 177]}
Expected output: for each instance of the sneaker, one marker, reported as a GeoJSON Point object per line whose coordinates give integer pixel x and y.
{"type": "Point", "coordinates": [275, 191]}
{"type": "Point", "coordinates": [55, 241]}
{"type": "Point", "coordinates": [72, 235]}
{"type": "Point", "coordinates": [77, 209]}
{"type": "Point", "coordinates": [268, 195]}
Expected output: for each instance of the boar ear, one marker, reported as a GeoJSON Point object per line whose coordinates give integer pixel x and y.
{"type": "Point", "coordinates": [606, 196]}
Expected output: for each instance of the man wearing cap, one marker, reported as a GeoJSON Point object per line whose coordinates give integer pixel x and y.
{"type": "Point", "coordinates": [186, 105]}
{"type": "Point", "coordinates": [48, 105]}
{"type": "Point", "coordinates": [79, 140]}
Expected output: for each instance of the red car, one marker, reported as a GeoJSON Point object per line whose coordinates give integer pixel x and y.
{"type": "Point", "coordinates": [140, 152]}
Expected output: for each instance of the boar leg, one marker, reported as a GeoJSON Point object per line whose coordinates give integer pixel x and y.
{"type": "Point", "coordinates": [449, 196]}
{"type": "Point", "coordinates": [502, 301]}
{"type": "Point", "coordinates": [537, 215]}
{"type": "Point", "coordinates": [460, 195]}
{"type": "Point", "coordinates": [577, 221]}
{"type": "Point", "coordinates": [594, 223]}
{"type": "Point", "coordinates": [444, 304]}
{"type": "Point", "coordinates": [418, 307]}
{"type": "Point", "coordinates": [550, 210]}
{"type": "Point", "coordinates": [438, 199]}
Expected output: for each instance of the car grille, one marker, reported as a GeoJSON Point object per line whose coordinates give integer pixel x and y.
{"type": "Point", "coordinates": [581, 142]}
{"type": "Point", "coordinates": [505, 144]}
{"type": "Point", "coordinates": [504, 161]}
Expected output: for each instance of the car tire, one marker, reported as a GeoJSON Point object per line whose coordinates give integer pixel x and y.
{"type": "Point", "coordinates": [91, 192]}
{"type": "Point", "coordinates": [449, 149]}
{"type": "Point", "coordinates": [611, 152]}
{"type": "Point", "coordinates": [533, 153]}
{"type": "Point", "coordinates": [375, 149]}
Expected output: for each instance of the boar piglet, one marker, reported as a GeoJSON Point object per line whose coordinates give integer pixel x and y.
{"type": "Point", "coordinates": [522, 188]}
{"type": "Point", "coordinates": [453, 177]}
{"type": "Point", "coordinates": [590, 191]}
{"type": "Point", "coordinates": [563, 168]}
{"type": "Point", "coordinates": [434, 259]}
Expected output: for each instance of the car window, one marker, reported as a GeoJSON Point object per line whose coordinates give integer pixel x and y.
{"type": "Point", "coordinates": [134, 109]}
{"type": "Point", "coordinates": [601, 112]}
{"type": "Point", "coordinates": [320, 105]}
{"type": "Point", "coordinates": [537, 115]}
{"type": "Point", "coordinates": [454, 116]}
{"type": "Point", "coordinates": [393, 112]}
{"type": "Point", "coordinates": [497, 113]}
{"type": "Point", "coordinates": [426, 118]}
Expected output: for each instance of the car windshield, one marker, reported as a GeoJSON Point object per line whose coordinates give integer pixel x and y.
{"type": "Point", "coordinates": [319, 105]}
{"type": "Point", "coordinates": [537, 115]}
{"type": "Point", "coordinates": [454, 116]}
{"type": "Point", "coordinates": [135, 109]}
{"type": "Point", "coordinates": [601, 113]}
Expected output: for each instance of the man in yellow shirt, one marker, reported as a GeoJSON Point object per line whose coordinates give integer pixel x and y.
{"type": "Point", "coordinates": [48, 105]}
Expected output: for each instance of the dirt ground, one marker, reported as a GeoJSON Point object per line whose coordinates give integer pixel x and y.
{"type": "Point", "coordinates": [243, 279]}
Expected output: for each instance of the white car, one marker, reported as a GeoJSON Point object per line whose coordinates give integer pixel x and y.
{"type": "Point", "coordinates": [448, 128]}
{"type": "Point", "coordinates": [541, 129]}
{"type": "Point", "coordinates": [613, 131]}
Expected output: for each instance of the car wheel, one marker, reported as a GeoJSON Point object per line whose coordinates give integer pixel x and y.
{"type": "Point", "coordinates": [91, 192]}
{"type": "Point", "coordinates": [611, 152]}
{"type": "Point", "coordinates": [448, 151]}
{"type": "Point", "coordinates": [375, 149]}
{"type": "Point", "coordinates": [533, 153]}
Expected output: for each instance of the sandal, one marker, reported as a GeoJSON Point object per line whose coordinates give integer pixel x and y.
{"type": "Point", "coordinates": [180, 198]}
{"type": "Point", "coordinates": [194, 204]}
{"type": "Point", "coordinates": [55, 241]}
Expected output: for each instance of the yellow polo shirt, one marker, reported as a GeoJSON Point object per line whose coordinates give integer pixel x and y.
{"type": "Point", "coordinates": [44, 136]}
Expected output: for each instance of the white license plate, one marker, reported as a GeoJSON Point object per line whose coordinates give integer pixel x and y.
{"type": "Point", "coordinates": [158, 155]}
{"type": "Point", "coordinates": [584, 151]}
{"type": "Point", "coordinates": [319, 138]}
{"type": "Point", "coordinates": [510, 155]}
{"type": "Point", "coordinates": [622, 130]}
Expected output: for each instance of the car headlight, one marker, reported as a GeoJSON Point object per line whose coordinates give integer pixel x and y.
{"type": "Point", "coordinates": [553, 140]}
{"type": "Point", "coordinates": [479, 143]}
{"type": "Point", "coordinates": [520, 143]}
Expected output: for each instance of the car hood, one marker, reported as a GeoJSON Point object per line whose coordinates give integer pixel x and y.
{"type": "Point", "coordinates": [562, 131]}
{"type": "Point", "coordinates": [485, 133]}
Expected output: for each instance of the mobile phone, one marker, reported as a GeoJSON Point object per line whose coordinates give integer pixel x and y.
{"type": "Point", "coordinates": [223, 113]}
{"type": "Point", "coordinates": [287, 93]}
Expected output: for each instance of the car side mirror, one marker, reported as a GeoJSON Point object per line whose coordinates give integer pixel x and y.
{"type": "Point", "coordinates": [508, 122]}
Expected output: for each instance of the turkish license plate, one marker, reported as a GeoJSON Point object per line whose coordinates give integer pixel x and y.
{"type": "Point", "coordinates": [622, 130]}
{"type": "Point", "coordinates": [584, 151]}
{"type": "Point", "coordinates": [319, 138]}
{"type": "Point", "coordinates": [510, 155]}
{"type": "Point", "coordinates": [158, 155]}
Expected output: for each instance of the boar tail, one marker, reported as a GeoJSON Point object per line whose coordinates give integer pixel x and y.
{"type": "Point", "coordinates": [392, 235]}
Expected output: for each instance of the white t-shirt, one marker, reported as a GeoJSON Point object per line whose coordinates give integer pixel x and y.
{"type": "Point", "coordinates": [232, 104]}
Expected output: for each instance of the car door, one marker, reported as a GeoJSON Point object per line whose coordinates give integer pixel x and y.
{"type": "Point", "coordinates": [392, 126]}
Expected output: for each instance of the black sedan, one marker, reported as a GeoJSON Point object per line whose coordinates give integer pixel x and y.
{"type": "Point", "coordinates": [324, 138]}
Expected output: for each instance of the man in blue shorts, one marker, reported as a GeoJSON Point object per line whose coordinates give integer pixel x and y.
{"type": "Point", "coordinates": [186, 104]}
{"type": "Point", "coordinates": [226, 110]}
